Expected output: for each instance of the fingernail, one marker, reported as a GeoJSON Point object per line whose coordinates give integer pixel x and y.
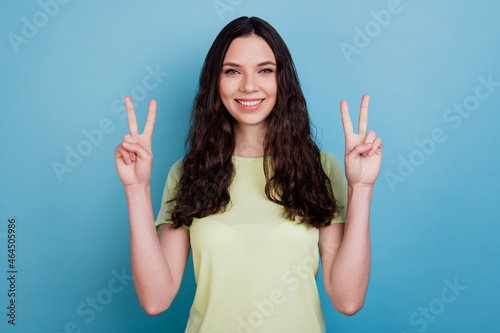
{"type": "Point", "coordinates": [126, 144]}
{"type": "Point", "coordinates": [129, 161]}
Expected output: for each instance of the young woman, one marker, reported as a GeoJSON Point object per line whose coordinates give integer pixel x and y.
{"type": "Point", "coordinates": [254, 198]}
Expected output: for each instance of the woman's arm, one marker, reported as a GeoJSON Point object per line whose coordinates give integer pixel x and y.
{"type": "Point", "coordinates": [158, 260]}
{"type": "Point", "coordinates": [345, 249]}
{"type": "Point", "coordinates": [346, 255]}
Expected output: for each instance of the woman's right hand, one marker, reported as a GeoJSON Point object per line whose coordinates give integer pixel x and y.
{"type": "Point", "coordinates": [133, 156]}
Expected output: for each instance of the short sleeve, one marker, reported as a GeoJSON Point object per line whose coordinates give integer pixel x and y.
{"type": "Point", "coordinates": [334, 171]}
{"type": "Point", "coordinates": [169, 192]}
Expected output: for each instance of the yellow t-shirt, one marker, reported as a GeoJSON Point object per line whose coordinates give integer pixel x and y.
{"type": "Point", "coordinates": [255, 271]}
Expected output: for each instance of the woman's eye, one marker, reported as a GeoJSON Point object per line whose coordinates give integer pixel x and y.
{"type": "Point", "coordinates": [234, 71]}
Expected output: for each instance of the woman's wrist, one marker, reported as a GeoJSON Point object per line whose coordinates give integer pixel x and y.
{"type": "Point", "coordinates": [361, 193]}
{"type": "Point", "coordinates": [132, 190]}
{"type": "Point", "coordinates": [360, 186]}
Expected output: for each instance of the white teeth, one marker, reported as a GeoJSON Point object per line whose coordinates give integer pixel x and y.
{"type": "Point", "coordinates": [252, 103]}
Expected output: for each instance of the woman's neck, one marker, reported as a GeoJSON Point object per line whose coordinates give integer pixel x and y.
{"type": "Point", "coordinates": [249, 140]}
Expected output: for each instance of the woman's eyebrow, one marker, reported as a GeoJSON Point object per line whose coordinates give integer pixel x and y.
{"type": "Point", "coordinates": [265, 63]}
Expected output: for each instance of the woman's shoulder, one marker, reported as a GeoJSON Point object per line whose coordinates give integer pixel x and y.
{"type": "Point", "coordinates": [330, 163]}
{"type": "Point", "coordinates": [175, 172]}
{"type": "Point", "coordinates": [178, 165]}
{"type": "Point", "coordinates": [327, 157]}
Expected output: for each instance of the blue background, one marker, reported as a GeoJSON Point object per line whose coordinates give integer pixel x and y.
{"type": "Point", "coordinates": [435, 216]}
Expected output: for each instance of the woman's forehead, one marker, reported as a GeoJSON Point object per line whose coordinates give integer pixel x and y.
{"type": "Point", "coordinates": [249, 50]}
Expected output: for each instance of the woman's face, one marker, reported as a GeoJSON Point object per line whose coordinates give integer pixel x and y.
{"type": "Point", "coordinates": [248, 85]}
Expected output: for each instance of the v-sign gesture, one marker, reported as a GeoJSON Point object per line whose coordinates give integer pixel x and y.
{"type": "Point", "coordinates": [134, 158]}
{"type": "Point", "coordinates": [363, 151]}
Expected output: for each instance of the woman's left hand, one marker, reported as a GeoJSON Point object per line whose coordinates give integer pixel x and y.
{"type": "Point", "coordinates": [363, 151]}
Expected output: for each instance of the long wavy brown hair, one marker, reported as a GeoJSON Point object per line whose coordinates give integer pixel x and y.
{"type": "Point", "coordinates": [295, 179]}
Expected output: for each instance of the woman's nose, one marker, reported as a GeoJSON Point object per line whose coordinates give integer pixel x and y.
{"type": "Point", "coordinates": [249, 83]}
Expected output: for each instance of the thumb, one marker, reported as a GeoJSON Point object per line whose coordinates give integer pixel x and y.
{"type": "Point", "coordinates": [361, 149]}
{"type": "Point", "coordinates": [142, 153]}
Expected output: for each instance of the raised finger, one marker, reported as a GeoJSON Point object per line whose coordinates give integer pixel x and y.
{"type": "Point", "coordinates": [150, 120]}
{"type": "Point", "coordinates": [363, 114]}
{"type": "Point", "coordinates": [132, 120]}
{"type": "Point", "coordinates": [346, 119]}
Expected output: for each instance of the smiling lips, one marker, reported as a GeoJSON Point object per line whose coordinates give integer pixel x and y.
{"type": "Point", "coordinates": [249, 104]}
